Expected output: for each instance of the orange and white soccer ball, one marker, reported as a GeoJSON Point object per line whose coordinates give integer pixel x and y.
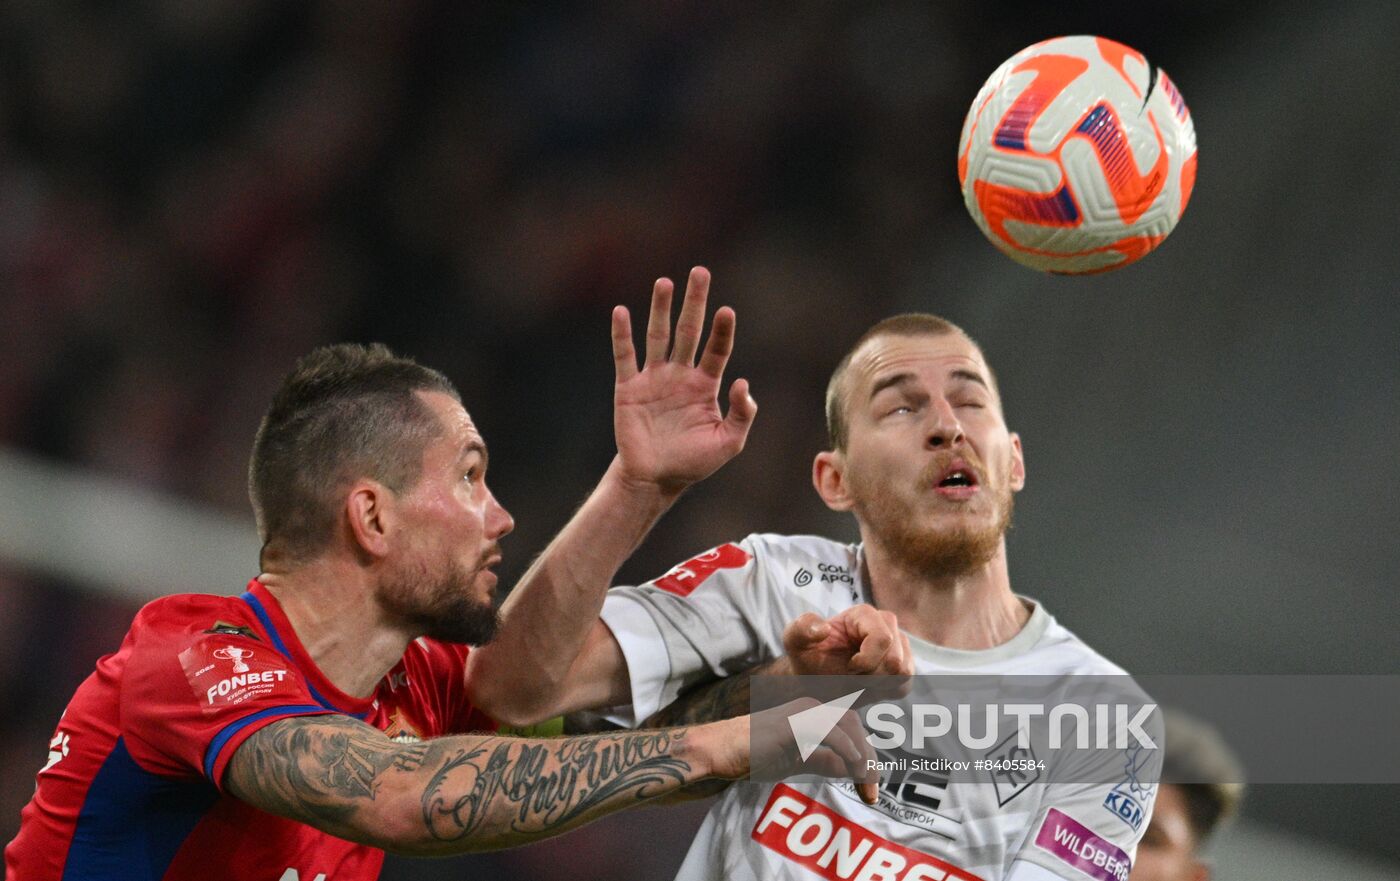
{"type": "Point", "coordinates": [1077, 156]}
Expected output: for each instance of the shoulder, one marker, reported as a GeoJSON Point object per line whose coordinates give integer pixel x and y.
{"type": "Point", "coordinates": [166, 632]}
{"type": "Point", "coordinates": [1068, 653]}
{"type": "Point", "coordinates": [807, 573]}
{"type": "Point", "coordinates": [778, 551]}
{"type": "Point", "coordinates": [190, 614]}
{"type": "Point", "coordinates": [188, 658]}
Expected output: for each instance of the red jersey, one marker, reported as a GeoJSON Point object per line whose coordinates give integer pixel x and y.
{"type": "Point", "coordinates": [133, 786]}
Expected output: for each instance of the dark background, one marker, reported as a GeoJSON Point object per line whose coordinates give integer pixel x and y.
{"type": "Point", "coordinates": [192, 195]}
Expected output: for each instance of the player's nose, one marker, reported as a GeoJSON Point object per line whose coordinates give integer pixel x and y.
{"type": "Point", "coordinates": [498, 520]}
{"type": "Point", "coordinates": [943, 429]}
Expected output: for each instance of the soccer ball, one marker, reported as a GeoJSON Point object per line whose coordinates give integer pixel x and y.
{"type": "Point", "coordinates": [1077, 156]}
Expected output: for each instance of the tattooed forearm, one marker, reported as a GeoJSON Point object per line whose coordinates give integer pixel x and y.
{"type": "Point", "coordinates": [451, 794]}
{"type": "Point", "coordinates": [723, 699]}
{"type": "Point", "coordinates": [316, 769]}
{"type": "Point", "coordinates": [411, 757]}
{"type": "Point", "coordinates": [545, 787]}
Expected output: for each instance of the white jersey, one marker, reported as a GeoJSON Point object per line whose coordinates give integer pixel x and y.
{"type": "Point", "coordinates": [725, 611]}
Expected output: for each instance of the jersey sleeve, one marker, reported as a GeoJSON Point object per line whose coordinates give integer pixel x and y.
{"type": "Point", "coordinates": [1076, 836]}
{"type": "Point", "coordinates": [190, 700]}
{"type": "Point", "coordinates": [702, 620]}
{"type": "Point", "coordinates": [1089, 823]}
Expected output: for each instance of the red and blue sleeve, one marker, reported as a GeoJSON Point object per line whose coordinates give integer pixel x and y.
{"type": "Point", "coordinates": [189, 702]}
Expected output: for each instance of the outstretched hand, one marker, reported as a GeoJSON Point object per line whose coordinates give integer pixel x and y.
{"type": "Point", "coordinates": [666, 416]}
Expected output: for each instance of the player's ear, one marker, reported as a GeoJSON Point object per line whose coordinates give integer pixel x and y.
{"type": "Point", "coordinates": [828, 476]}
{"type": "Point", "coordinates": [1018, 464]}
{"type": "Point", "coordinates": [369, 517]}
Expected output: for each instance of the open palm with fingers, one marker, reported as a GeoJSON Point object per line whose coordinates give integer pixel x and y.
{"type": "Point", "coordinates": [666, 415]}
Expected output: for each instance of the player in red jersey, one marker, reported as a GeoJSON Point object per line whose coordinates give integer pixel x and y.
{"type": "Point", "coordinates": [296, 731]}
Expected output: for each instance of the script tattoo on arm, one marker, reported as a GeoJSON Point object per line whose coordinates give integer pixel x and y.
{"type": "Point", "coordinates": [549, 786]}
{"type": "Point", "coordinates": [452, 794]}
{"type": "Point", "coordinates": [722, 699]}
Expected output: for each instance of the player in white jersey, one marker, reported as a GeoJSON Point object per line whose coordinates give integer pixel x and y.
{"type": "Point", "coordinates": [729, 607]}
{"type": "Point", "coordinates": [922, 457]}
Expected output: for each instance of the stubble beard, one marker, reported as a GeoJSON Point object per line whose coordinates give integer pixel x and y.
{"type": "Point", "coordinates": [938, 553]}
{"type": "Point", "coordinates": [441, 606]}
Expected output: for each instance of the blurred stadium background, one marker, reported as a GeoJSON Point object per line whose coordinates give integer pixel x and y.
{"type": "Point", "coordinates": [193, 194]}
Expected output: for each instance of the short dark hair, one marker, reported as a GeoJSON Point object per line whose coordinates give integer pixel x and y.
{"type": "Point", "coordinates": [1203, 767]}
{"type": "Point", "coordinates": [344, 412]}
{"type": "Point", "coordinates": [908, 324]}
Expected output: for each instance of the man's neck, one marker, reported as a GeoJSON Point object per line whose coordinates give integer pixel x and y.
{"type": "Point", "coordinates": [333, 611]}
{"type": "Point", "coordinates": [972, 611]}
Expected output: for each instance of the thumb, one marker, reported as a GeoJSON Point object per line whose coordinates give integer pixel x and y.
{"type": "Point", "coordinates": [804, 632]}
{"type": "Point", "coordinates": [742, 407]}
